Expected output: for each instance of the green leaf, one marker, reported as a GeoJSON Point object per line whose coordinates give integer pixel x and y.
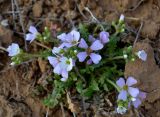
{"type": "Point", "coordinates": [94, 85]}
{"type": "Point", "coordinates": [79, 86]}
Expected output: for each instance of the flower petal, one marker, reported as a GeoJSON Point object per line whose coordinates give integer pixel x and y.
{"type": "Point", "coordinates": [121, 17]}
{"type": "Point", "coordinates": [120, 82]}
{"type": "Point", "coordinates": [122, 95]}
{"type": "Point", "coordinates": [96, 45]}
{"type": "Point", "coordinates": [136, 103]}
{"type": "Point", "coordinates": [91, 38]}
{"type": "Point", "coordinates": [62, 37]}
{"type": "Point", "coordinates": [30, 37]}
{"type": "Point", "coordinates": [70, 65]}
{"type": "Point", "coordinates": [69, 38]}
{"type": "Point", "coordinates": [64, 79]}
{"type": "Point", "coordinates": [64, 74]}
{"type": "Point", "coordinates": [89, 61]}
{"type": "Point", "coordinates": [75, 34]}
{"type": "Point", "coordinates": [82, 56]}
{"type": "Point", "coordinates": [95, 58]}
{"type": "Point", "coordinates": [142, 95]}
{"type": "Point", "coordinates": [57, 69]}
{"type": "Point", "coordinates": [53, 61]}
{"type": "Point", "coordinates": [131, 81]}
{"type": "Point", "coordinates": [68, 45]}
{"type": "Point", "coordinates": [133, 91]}
{"type": "Point", "coordinates": [56, 50]}
{"type": "Point", "coordinates": [142, 55]}
{"type": "Point", "coordinates": [83, 44]}
{"type": "Point", "coordinates": [104, 37]}
{"type": "Point", "coordinates": [33, 29]}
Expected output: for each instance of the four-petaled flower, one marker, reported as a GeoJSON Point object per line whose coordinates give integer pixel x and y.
{"type": "Point", "coordinates": [62, 65]}
{"type": "Point", "coordinates": [142, 55]}
{"type": "Point", "coordinates": [104, 37]}
{"type": "Point", "coordinates": [70, 39]}
{"type": "Point", "coordinates": [89, 51]}
{"type": "Point", "coordinates": [126, 88]}
{"type": "Point", "coordinates": [31, 36]}
{"type": "Point", "coordinates": [13, 49]}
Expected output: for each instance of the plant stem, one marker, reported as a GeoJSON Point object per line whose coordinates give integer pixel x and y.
{"type": "Point", "coordinates": [116, 58]}
{"type": "Point", "coordinates": [2, 48]}
{"type": "Point", "coordinates": [26, 55]}
{"type": "Point", "coordinates": [113, 84]}
{"type": "Point", "coordinates": [44, 46]}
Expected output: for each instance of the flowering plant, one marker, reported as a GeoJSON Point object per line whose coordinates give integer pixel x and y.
{"type": "Point", "coordinates": [88, 59]}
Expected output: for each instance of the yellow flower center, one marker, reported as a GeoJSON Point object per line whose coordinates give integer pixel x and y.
{"type": "Point", "coordinates": [125, 87]}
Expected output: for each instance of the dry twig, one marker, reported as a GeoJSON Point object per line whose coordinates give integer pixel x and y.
{"type": "Point", "coordinates": [137, 36]}
{"type": "Point", "coordinates": [137, 5]}
{"type": "Point", "coordinates": [47, 112]}
{"type": "Point", "coordinates": [2, 48]}
{"type": "Point", "coordinates": [44, 46]}
{"type": "Point", "coordinates": [21, 22]}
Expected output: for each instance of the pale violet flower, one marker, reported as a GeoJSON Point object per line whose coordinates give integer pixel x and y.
{"type": "Point", "coordinates": [121, 110]}
{"type": "Point", "coordinates": [142, 55]}
{"type": "Point", "coordinates": [121, 17]}
{"type": "Point", "coordinates": [31, 36]}
{"type": "Point", "coordinates": [126, 88]}
{"type": "Point", "coordinates": [89, 51]}
{"type": "Point", "coordinates": [70, 39]}
{"type": "Point", "coordinates": [53, 60]}
{"type": "Point", "coordinates": [13, 49]}
{"type": "Point", "coordinates": [62, 65]}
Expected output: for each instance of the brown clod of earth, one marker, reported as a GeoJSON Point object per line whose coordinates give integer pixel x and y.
{"type": "Point", "coordinates": [150, 29]}
{"type": "Point", "coordinates": [6, 35]}
{"type": "Point", "coordinates": [37, 9]}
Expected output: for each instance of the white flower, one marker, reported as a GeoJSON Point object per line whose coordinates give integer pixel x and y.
{"type": "Point", "coordinates": [121, 110]}
{"type": "Point", "coordinates": [13, 49]}
{"type": "Point", "coordinates": [121, 17]}
{"type": "Point", "coordinates": [142, 55]}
